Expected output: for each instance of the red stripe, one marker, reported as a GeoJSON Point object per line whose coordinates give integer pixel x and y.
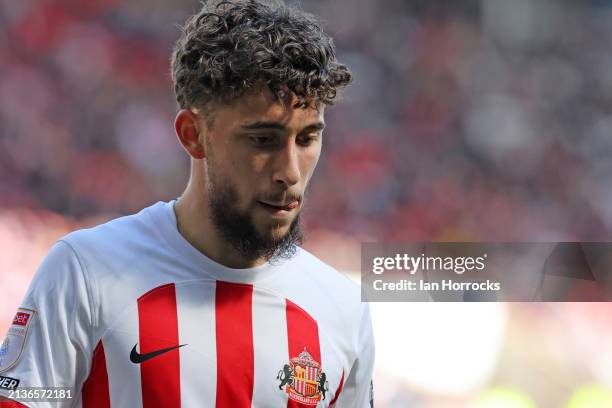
{"type": "Point", "coordinates": [158, 323]}
{"type": "Point", "coordinates": [331, 404]}
{"type": "Point", "coordinates": [235, 359]}
{"type": "Point", "coordinates": [95, 389]}
{"type": "Point", "coordinates": [6, 403]}
{"type": "Point", "coordinates": [302, 333]}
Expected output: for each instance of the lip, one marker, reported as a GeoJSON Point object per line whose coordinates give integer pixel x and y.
{"type": "Point", "coordinates": [280, 209]}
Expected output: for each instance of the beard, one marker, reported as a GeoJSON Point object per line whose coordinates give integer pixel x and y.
{"type": "Point", "coordinates": [238, 229]}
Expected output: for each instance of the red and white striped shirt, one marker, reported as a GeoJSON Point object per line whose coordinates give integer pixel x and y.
{"type": "Point", "coordinates": [129, 314]}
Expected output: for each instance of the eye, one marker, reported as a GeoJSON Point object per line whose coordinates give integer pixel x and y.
{"type": "Point", "coordinates": [263, 140]}
{"type": "Point", "coordinates": [307, 140]}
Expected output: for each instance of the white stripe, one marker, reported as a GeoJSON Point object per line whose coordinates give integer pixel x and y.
{"type": "Point", "coordinates": [271, 348]}
{"type": "Point", "coordinates": [123, 376]}
{"type": "Point", "coordinates": [196, 321]}
{"type": "Point", "coordinates": [332, 365]}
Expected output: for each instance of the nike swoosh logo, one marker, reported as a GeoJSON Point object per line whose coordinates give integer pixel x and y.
{"type": "Point", "coordinates": [138, 358]}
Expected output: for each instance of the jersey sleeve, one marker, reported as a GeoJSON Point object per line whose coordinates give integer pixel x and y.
{"type": "Point", "coordinates": [358, 388]}
{"type": "Point", "coordinates": [49, 343]}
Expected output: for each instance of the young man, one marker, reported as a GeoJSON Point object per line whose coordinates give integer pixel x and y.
{"type": "Point", "coordinates": [208, 301]}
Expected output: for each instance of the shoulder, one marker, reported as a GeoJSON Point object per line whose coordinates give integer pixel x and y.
{"type": "Point", "coordinates": [326, 285]}
{"type": "Point", "coordinates": [117, 232]}
{"type": "Point", "coordinates": [117, 260]}
{"type": "Point", "coordinates": [119, 249]}
{"type": "Point", "coordinates": [325, 274]}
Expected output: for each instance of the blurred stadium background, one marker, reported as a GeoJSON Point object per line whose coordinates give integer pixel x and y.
{"type": "Point", "coordinates": [468, 120]}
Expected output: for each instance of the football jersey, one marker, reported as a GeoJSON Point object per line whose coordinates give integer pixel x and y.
{"type": "Point", "coordinates": [129, 314]}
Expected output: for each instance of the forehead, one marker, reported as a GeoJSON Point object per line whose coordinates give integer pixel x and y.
{"type": "Point", "coordinates": [263, 106]}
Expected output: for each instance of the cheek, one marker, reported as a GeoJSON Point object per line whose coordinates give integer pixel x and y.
{"type": "Point", "coordinates": [240, 167]}
{"type": "Point", "coordinates": [244, 174]}
{"type": "Point", "coordinates": [256, 163]}
{"type": "Point", "coordinates": [226, 173]}
{"type": "Point", "coordinates": [309, 163]}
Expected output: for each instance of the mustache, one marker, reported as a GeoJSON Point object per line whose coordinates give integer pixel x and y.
{"type": "Point", "coordinates": [283, 196]}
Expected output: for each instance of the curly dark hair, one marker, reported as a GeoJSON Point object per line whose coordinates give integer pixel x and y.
{"type": "Point", "coordinates": [232, 47]}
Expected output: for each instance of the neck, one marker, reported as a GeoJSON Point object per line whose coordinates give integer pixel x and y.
{"type": "Point", "coordinates": [194, 223]}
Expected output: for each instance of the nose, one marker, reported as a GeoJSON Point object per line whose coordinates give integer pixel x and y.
{"type": "Point", "coordinates": [287, 168]}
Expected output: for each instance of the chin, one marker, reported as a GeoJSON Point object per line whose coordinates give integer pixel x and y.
{"type": "Point", "coordinates": [276, 232]}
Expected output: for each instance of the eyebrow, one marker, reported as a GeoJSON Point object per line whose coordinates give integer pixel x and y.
{"type": "Point", "coordinates": [262, 125]}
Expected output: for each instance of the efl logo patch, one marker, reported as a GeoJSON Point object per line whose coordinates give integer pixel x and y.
{"type": "Point", "coordinates": [12, 347]}
{"type": "Point", "coordinates": [8, 383]}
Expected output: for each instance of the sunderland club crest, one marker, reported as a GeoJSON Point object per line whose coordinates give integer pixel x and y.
{"type": "Point", "coordinates": [303, 379]}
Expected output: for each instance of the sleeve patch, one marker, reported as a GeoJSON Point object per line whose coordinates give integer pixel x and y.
{"type": "Point", "coordinates": [12, 347]}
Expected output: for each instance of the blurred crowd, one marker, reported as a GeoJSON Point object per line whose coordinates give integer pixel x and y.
{"type": "Point", "coordinates": [467, 121]}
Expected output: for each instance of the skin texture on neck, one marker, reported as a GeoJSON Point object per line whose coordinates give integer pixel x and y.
{"type": "Point", "coordinates": [262, 149]}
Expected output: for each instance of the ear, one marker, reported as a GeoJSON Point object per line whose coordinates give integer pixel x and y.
{"type": "Point", "coordinates": [188, 130]}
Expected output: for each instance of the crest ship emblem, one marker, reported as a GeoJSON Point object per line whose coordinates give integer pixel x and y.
{"type": "Point", "coordinates": [303, 379]}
